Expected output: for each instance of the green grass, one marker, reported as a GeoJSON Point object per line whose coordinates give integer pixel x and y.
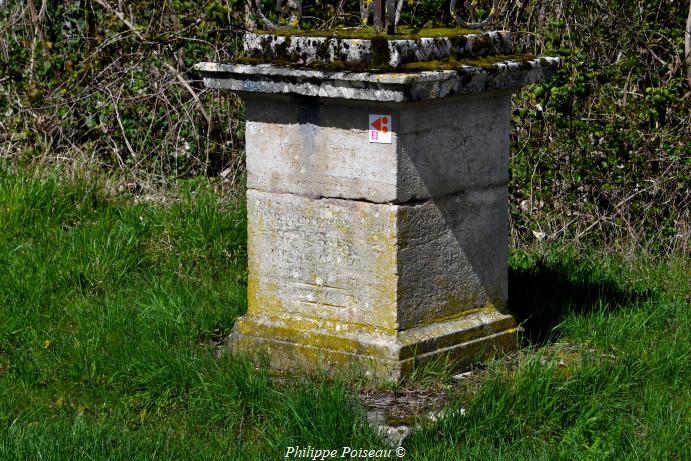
{"type": "Point", "coordinates": [610, 381]}
{"type": "Point", "coordinates": [110, 312]}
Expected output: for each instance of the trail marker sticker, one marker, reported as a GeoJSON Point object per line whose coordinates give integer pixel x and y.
{"type": "Point", "coordinates": [379, 128]}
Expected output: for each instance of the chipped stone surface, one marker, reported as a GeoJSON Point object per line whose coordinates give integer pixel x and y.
{"type": "Point", "coordinates": [395, 436]}
{"type": "Point", "coordinates": [313, 148]}
{"type": "Point", "coordinates": [307, 50]}
{"type": "Point", "coordinates": [381, 87]}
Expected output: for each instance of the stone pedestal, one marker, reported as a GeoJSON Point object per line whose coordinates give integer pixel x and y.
{"type": "Point", "coordinates": [376, 257]}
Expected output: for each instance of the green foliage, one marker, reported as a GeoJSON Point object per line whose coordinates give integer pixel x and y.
{"type": "Point", "coordinates": [105, 86]}
{"type": "Point", "coordinates": [601, 153]}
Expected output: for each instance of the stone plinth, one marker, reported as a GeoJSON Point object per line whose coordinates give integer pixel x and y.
{"type": "Point", "coordinates": [303, 50]}
{"type": "Point", "coordinates": [376, 257]}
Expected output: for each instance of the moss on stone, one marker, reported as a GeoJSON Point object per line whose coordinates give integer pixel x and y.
{"type": "Point", "coordinates": [483, 42]}
{"type": "Point", "coordinates": [402, 33]}
{"type": "Point", "coordinates": [458, 41]}
{"type": "Point", "coordinates": [485, 62]}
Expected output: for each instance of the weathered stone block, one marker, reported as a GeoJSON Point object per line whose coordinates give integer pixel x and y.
{"type": "Point", "coordinates": [320, 148]}
{"type": "Point", "coordinates": [372, 86]}
{"type": "Point", "coordinates": [306, 50]}
{"type": "Point", "coordinates": [451, 256]}
{"type": "Point", "coordinates": [309, 147]}
{"type": "Point", "coordinates": [333, 259]}
{"type": "Point", "coordinates": [336, 282]}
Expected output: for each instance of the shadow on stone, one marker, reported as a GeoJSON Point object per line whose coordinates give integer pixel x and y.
{"type": "Point", "coordinates": [541, 296]}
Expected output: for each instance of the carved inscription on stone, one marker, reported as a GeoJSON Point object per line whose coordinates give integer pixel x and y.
{"type": "Point", "coordinates": [329, 259]}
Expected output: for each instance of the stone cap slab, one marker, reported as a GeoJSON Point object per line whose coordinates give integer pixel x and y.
{"type": "Point", "coordinates": [306, 50]}
{"type": "Point", "coordinates": [376, 86]}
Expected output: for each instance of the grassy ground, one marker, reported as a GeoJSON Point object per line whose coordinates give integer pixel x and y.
{"type": "Point", "coordinates": [110, 312]}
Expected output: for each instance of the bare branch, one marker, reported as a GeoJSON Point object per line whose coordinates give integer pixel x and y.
{"type": "Point", "coordinates": [191, 91]}
{"type": "Point", "coordinates": [121, 17]}
{"type": "Point", "coordinates": [122, 128]}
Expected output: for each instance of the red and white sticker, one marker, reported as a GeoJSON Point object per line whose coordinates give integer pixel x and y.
{"type": "Point", "coordinates": [379, 128]}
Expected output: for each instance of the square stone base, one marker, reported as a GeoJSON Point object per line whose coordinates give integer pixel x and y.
{"type": "Point", "coordinates": [303, 344]}
{"type": "Point", "coordinates": [376, 288]}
